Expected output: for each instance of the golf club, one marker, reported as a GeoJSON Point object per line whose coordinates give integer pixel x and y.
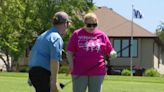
{"type": "Point", "coordinates": [63, 85]}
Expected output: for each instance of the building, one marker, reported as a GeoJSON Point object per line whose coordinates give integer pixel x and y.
{"type": "Point", "coordinates": [147, 50]}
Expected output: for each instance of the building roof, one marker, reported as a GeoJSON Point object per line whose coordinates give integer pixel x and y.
{"type": "Point", "coordinates": [114, 25]}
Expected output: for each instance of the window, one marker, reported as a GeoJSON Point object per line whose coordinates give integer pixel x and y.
{"type": "Point", "coordinates": [122, 46]}
{"type": "Point", "coordinates": [117, 44]}
{"type": "Point", "coordinates": [125, 52]}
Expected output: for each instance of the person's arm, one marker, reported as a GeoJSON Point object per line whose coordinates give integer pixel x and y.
{"type": "Point", "coordinates": [70, 57]}
{"type": "Point", "coordinates": [110, 49]}
{"type": "Point", "coordinates": [54, 76]}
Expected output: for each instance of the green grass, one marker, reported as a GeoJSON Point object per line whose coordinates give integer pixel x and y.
{"type": "Point", "coordinates": [17, 82]}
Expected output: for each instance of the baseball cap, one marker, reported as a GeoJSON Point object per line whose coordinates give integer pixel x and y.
{"type": "Point", "coordinates": [61, 17]}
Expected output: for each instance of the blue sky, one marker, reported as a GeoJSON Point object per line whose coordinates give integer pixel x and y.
{"type": "Point", "coordinates": [151, 9]}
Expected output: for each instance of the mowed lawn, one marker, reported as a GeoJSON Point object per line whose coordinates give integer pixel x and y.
{"type": "Point", "coordinates": [17, 82]}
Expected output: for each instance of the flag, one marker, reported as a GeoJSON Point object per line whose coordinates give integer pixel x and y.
{"type": "Point", "coordinates": [137, 14]}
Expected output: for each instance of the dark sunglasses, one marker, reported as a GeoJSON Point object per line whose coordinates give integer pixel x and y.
{"type": "Point", "coordinates": [91, 25]}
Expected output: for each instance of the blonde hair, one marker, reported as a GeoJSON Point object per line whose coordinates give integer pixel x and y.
{"type": "Point", "coordinates": [90, 16]}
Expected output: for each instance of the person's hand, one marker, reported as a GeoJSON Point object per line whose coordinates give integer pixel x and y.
{"type": "Point", "coordinates": [113, 54]}
{"type": "Point", "coordinates": [54, 87]}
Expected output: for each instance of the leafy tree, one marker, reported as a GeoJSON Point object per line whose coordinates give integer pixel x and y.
{"type": "Point", "coordinates": [10, 26]}
{"type": "Point", "coordinates": [160, 32]}
{"type": "Point", "coordinates": [23, 20]}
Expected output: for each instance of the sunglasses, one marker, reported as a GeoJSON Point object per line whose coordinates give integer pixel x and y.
{"type": "Point", "coordinates": [91, 25]}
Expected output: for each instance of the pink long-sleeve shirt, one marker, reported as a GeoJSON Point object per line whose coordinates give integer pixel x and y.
{"type": "Point", "coordinates": [89, 50]}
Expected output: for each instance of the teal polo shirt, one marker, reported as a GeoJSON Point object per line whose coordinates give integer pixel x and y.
{"type": "Point", "coordinates": [48, 47]}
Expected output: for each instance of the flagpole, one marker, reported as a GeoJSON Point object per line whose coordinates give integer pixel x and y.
{"type": "Point", "coordinates": [131, 46]}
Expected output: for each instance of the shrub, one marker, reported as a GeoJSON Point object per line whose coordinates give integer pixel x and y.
{"type": "Point", "coordinates": [126, 72]}
{"type": "Point", "coordinates": [151, 72]}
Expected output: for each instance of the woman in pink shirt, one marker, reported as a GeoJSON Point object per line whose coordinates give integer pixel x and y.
{"type": "Point", "coordinates": [86, 50]}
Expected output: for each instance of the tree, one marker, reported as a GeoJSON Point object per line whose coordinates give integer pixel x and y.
{"type": "Point", "coordinates": [23, 20]}
{"type": "Point", "coordinates": [160, 32]}
{"type": "Point", "coordinates": [10, 26]}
